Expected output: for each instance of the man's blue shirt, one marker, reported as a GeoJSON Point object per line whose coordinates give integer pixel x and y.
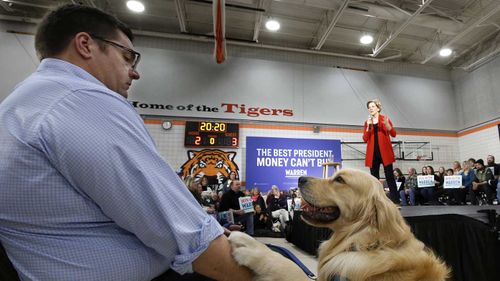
{"type": "Point", "coordinates": [84, 194]}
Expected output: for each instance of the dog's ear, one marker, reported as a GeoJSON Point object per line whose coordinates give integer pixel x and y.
{"type": "Point", "coordinates": [385, 216]}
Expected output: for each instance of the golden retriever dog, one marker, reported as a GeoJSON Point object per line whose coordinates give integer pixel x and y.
{"type": "Point", "coordinates": [371, 241]}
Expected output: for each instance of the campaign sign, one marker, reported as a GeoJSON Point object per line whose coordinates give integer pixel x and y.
{"type": "Point", "coordinates": [293, 205]}
{"type": "Point", "coordinates": [425, 181]}
{"type": "Point", "coordinates": [246, 204]}
{"type": "Point", "coordinates": [226, 217]}
{"type": "Point", "coordinates": [281, 161]}
{"type": "Point", "coordinates": [452, 182]}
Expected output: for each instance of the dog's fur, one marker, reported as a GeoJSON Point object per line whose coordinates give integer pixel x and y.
{"type": "Point", "coordinates": [371, 241]}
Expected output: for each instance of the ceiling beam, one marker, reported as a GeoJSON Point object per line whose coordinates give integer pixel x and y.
{"type": "Point", "coordinates": [400, 29]}
{"type": "Point", "coordinates": [396, 7]}
{"type": "Point", "coordinates": [469, 27]}
{"type": "Point", "coordinates": [332, 24]}
{"type": "Point", "coordinates": [180, 9]}
{"type": "Point", "coordinates": [22, 3]}
{"type": "Point", "coordinates": [259, 17]}
{"type": "Point", "coordinates": [6, 6]}
{"type": "Point", "coordinates": [482, 54]}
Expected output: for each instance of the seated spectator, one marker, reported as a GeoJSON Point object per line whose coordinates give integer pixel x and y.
{"type": "Point", "coordinates": [229, 201]}
{"type": "Point", "coordinates": [204, 184]}
{"type": "Point", "coordinates": [495, 168]}
{"type": "Point", "coordinates": [468, 176]}
{"type": "Point", "coordinates": [261, 219]}
{"type": "Point", "coordinates": [257, 199]}
{"type": "Point", "coordinates": [481, 183]}
{"type": "Point", "coordinates": [472, 163]}
{"type": "Point", "coordinates": [424, 171]}
{"type": "Point", "coordinates": [409, 188]}
{"type": "Point", "coordinates": [457, 168]}
{"type": "Point", "coordinates": [400, 179]}
{"type": "Point", "coordinates": [429, 193]}
{"type": "Point", "coordinates": [195, 188]}
{"type": "Point", "coordinates": [441, 173]}
{"type": "Point", "coordinates": [225, 185]}
{"type": "Point", "coordinates": [277, 206]}
{"type": "Point", "coordinates": [453, 197]}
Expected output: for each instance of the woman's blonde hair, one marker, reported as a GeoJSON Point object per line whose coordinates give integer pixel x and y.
{"type": "Point", "coordinates": [189, 180]}
{"type": "Point", "coordinates": [376, 102]}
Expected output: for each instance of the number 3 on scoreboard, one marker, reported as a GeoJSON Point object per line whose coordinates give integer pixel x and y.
{"type": "Point", "coordinates": [234, 141]}
{"type": "Point", "coordinates": [197, 140]}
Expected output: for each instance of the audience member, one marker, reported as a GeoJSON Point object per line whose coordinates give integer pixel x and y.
{"type": "Point", "coordinates": [257, 199]}
{"type": "Point", "coordinates": [424, 171]}
{"type": "Point", "coordinates": [400, 180]}
{"type": "Point", "coordinates": [457, 168]}
{"type": "Point", "coordinates": [429, 193]}
{"type": "Point", "coordinates": [277, 205]}
{"type": "Point", "coordinates": [410, 187]}
{"type": "Point", "coordinates": [441, 173]}
{"type": "Point", "coordinates": [204, 184]}
{"type": "Point", "coordinates": [481, 183]}
{"type": "Point", "coordinates": [225, 185]}
{"type": "Point", "coordinates": [495, 168]}
{"type": "Point", "coordinates": [229, 201]}
{"type": "Point", "coordinates": [468, 176]}
{"type": "Point", "coordinates": [472, 163]}
{"type": "Point", "coordinates": [261, 219]}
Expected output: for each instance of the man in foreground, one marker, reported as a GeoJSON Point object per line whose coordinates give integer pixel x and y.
{"type": "Point", "coordinates": [84, 194]}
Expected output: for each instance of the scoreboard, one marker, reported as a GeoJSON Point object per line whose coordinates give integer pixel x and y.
{"type": "Point", "coordinates": [211, 134]}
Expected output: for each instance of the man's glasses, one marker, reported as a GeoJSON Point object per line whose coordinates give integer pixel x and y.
{"type": "Point", "coordinates": [130, 55]}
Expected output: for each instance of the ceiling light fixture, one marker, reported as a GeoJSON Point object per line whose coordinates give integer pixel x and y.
{"type": "Point", "coordinates": [272, 25]}
{"type": "Point", "coordinates": [366, 39]}
{"type": "Point", "coordinates": [445, 52]}
{"type": "Point", "coordinates": [135, 6]}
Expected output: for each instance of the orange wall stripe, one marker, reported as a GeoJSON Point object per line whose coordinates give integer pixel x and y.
{"type": "Point", "coordinates": [480, 128]}
{"type": "Point", "coordinates": [341, 130]}
{"type": "Point", "coordinates": [153, 122]}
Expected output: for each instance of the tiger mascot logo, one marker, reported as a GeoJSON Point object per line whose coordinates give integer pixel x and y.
{"type": "Point", "coordinates": [214, 164]}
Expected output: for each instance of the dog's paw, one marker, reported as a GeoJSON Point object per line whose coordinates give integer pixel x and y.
{"type": "Point", "coordinates": [246, 250]}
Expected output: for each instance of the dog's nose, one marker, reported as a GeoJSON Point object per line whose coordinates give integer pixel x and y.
{"type": "Point", "coordinates": [302, 181]}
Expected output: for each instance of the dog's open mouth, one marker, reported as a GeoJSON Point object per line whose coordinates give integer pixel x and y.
{"type": "Point", "coordinates": [319, 214]}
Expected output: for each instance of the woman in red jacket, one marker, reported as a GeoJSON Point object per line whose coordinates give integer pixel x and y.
{"type": "Point", "coordinates": [377, 133]}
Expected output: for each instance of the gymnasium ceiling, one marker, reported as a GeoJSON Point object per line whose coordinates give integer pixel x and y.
{"type": "Point", "coordinates": [403, 30]}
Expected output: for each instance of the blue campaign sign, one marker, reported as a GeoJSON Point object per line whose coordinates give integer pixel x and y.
{"type": "Point", "coordinates": [281, 161]}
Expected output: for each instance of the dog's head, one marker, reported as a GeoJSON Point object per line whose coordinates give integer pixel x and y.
{"type": "Point", "coordinates": [348, 198]}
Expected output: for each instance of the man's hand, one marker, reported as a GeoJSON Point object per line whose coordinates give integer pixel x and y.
{"type": "Point", "coordinates": [474, 185]}
{"type": "Point", "coordinates": [239, 212]}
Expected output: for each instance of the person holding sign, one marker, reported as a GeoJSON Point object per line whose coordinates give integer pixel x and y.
{"type": "Point", "coordinates": [377, 133]}
{"type": "Point", "coordinates": [230, 201]}
{"type": "Point", "coordinates": [429, 187]}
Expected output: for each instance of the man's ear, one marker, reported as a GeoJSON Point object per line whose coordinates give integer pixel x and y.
{"type": "Point", "coordinates": [84, 45]}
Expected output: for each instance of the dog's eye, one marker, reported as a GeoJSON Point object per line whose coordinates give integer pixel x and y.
{"type": "Point", "coordinates": [339, 180]}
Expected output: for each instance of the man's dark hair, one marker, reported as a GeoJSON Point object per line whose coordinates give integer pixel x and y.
{"type": "Point", "coordinates": [58, 27]}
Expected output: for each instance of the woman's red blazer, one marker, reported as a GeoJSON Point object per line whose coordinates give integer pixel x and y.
{"type": "Point", "coordinates": [384, 142]}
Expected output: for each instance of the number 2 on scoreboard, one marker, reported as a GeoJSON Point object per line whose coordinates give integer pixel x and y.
{"type": "Point", "coordinates": [197, 140]}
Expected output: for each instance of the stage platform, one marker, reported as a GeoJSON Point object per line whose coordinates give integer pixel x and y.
{"type": "Point", "coordinates": [465, 237]}
{"type": "Point", "coordinates": [468, 210]}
